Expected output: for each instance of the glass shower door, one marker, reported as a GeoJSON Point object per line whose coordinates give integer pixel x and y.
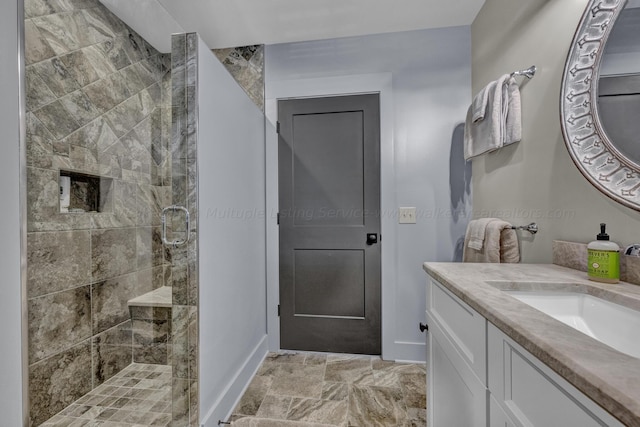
{"type": "Point", "coordinates": [100, 282]}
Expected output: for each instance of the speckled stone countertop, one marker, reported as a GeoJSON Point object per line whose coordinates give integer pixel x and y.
{"type": "Point", "coordinates": [608, 377]}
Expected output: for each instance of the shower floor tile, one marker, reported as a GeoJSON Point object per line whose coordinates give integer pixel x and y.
{"type": "Point", "coordinates": [313, 389]}
{"type": "Point", "coordinates": [139, 395]}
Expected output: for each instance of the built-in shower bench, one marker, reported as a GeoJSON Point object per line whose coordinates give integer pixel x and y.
{"type": "Point", "coordinates": [151, 326]}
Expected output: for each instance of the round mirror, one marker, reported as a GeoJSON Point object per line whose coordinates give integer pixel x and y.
{"type": "Point", "coordinates": [619, 84]}
{"type": "Point", "coordinates": [600, 99]}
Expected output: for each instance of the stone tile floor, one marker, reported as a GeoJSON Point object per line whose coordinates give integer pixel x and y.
{"type": "Point", "coordinates": [139, 395]}
{"type": "Point", "coordinates": [314, 389]}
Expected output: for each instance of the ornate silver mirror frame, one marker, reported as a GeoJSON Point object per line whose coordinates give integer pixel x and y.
{"type": "Point", "coordinates": [589, 146]}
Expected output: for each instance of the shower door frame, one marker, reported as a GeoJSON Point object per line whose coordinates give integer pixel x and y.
{"type": "Point", "coordinates": [22, 111]}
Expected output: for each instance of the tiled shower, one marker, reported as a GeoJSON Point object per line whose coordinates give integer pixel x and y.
{"type": "Point", "coordinates": [111, 135]}
{"type": "Point", "coordinates": [98, 131]}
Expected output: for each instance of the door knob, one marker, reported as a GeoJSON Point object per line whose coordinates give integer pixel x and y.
{"type": "Point", "coordinates": [423, 327]}
{"type": "Point", "coordinates": [372, 238]}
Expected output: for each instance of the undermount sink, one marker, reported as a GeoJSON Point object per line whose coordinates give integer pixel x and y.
{"type": "Point", "coordinates": [612, 324]}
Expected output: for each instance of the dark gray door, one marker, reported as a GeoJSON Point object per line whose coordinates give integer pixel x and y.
{"type": "Point", "coordinates": [329, 185]}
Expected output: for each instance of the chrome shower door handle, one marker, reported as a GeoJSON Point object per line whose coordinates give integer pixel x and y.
{"type": "Point", "coordinates": [163, 216]}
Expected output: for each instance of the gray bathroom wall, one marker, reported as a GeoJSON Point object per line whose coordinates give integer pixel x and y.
{"type": "Point", "coordinates": [98, 104]}
{"type": "Point", "coordinates": [425, 78]}
{"type": "Point", "coordinates": [535, 179]}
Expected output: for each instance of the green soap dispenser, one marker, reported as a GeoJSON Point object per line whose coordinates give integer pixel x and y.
{"type": "Point", "coordinates": [603, 258]}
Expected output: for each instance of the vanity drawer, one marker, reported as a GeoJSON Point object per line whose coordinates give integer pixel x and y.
{"type": "Point", "coordinates": [463, 326]}
{"type": "Point", "coordinates": [531, 394]}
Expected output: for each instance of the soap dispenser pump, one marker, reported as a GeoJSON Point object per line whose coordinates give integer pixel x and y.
{"type": "Point", "coordinates": [603, 258]}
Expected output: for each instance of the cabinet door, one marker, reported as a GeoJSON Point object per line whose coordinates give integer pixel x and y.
{"type": "Point", "coordinates": [497, 417]}
{"type": "Point", "coordinates": [465, 327]}
{"type": "Point", "coordinates": [531, 394]}
{"type": "Point", "coordinates": [456, 396]}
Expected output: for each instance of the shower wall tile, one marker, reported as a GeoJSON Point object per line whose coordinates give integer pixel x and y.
{"type": "Point", "coordinates": [246, 65]}
{"type": "Point", "coordinates": [57, 261]}
{"type": "Point", "coordinates": [149, 247]}
{"type": "Point", "coordinates": [96, 135]}
{"type": "Point", "coordinates": [58, 321]}
{"type": "Point", "coordinates": [191, 59]}
{"type": "Point", "coordinates": [57, 119]}
{"type": "Point", "coordinates": [98, 27]}
{"type": "Point", "coordinates": [192, 270]}
{"type": "Point", "coordinates": [112, 352]}
{"type": "Point", "coordinates": [151, 278]}
{"type": "Point", "coordinates": [80, 106]}
{"type": "Point", "coordinates": [80, 67]}
{"type": "Point", "coordinates": [39, 144]}
{"type": "Point", "coordinates": [36, 47]}
{"type": "Point", "coordinates": [180, 340]}
{"type": "Point", "coordinates": [133, 81]}
{"type": "Point", "coordinates": [180, 402]}
{"type": "Point", "coordinates": [120, 210]}
{"type": "Point", "coordinates": [115, 50]}
{"type": "Point", "coordinates": [124, 117]}
{"type": "Point", "coordinates": [68, 5]}
{"type": "Point", "coordinates": [59, 380]}
{"type": "Point", "coordinates": [99, 61]}
{"type": "Point", "coordinates": [64, 32]}
{"type": "Point", "coordinates": [193, 342]}
{"type": "Point", "coordinates": [146, 73]}
{"type": "Point", "coordinates": [38, 94]}
{"type": "Point", "coordinates": [113, 253]}
{"type": "Point", "coordinates": [33, 8]}
{"type": "Point", "coordinates": [151, 339]}
{"type": "Point", "coordinates": [194, 406]}
{"type": "Point", "coordinates": [109, 300]}
{"type": "Point", "coordinates": [107, 93]}
{"type": "Point", "coordinates": [56, 76]}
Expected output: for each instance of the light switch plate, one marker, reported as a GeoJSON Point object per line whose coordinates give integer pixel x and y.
{"type": "Point", "coordinates": [406, 215]}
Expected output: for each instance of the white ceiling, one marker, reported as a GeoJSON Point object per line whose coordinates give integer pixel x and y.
{"type": "Point", "coordinates": [230, 23]}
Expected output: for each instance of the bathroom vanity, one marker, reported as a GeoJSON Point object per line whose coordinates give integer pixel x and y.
{"type": "Point", "coordinates": [494, 360]}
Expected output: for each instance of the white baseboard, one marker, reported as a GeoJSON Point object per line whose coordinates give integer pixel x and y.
{"type": "Point", "coordinates": [231, 395]}
{"type": "Point", "coordinates": [404, 351]}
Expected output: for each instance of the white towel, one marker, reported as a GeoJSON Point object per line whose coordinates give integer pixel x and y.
{"type": "Point", "coordinates": [513, 122]}
{"type": "Point", "coordinates": [477, 230]}
{"type": "Point", "coordinates": [501, 123]}
{"type": "Point", "coordinates": [500, 244]}
{"type": "Point", "coordinates": [479, 103]}
{"type": "Point", "coordinates": [484, 136]}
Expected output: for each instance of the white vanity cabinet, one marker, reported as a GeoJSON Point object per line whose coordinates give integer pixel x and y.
{"type": "Point", "coordinates": [478, 376]}
{"type": "Point", "coordinates": [529, 393]}
{"type": "Point", "coordinates": [456, 367]}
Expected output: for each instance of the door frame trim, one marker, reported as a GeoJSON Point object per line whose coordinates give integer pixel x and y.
{"type": "Point", "coordinates": [380, 83]}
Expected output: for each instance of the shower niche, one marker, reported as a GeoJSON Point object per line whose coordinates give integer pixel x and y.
{"type": "Point", "coordinates": [81, 192]}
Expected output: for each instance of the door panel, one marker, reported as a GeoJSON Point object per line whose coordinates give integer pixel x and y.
{"type": "Point", "coordinates": [329, 190]}
{"type": "Point", "coordinates": [329, 282]}
{"type": "Point", "coordinates": [328, 168]}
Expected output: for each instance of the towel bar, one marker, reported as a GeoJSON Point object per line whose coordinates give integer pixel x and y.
{"type": "Point", "coordinates": [528, 73]}
{"type": "Point", "coordinates": [531, 228]}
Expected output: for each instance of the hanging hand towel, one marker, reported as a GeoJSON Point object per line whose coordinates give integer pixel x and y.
{"type": "Point", "coordinates": [477, 230]}
{"type": "Point", "coordinates": [480, 102]}
{"type": "Point", "coordinates": [501, 123]}
{"type": "Point", "coordinates": [483, 136]}
{"type": "Point", "coordinates": [500, 244]}
{"type": "Point", "coordinates": [512, 131]}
